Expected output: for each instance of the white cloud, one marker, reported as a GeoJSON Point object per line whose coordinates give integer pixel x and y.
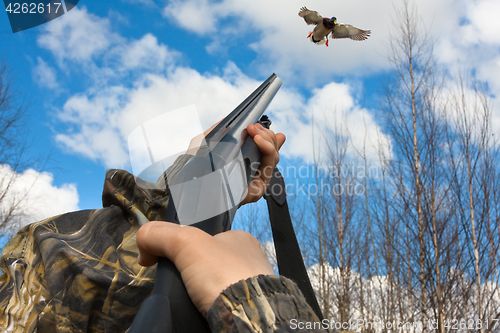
{"type": "Point", "coordinates": [102, 122]}
{"type": "Point", "coordinates": [45, 75]}
{"type": "Point", "coordinates": [145, 53]}
{"type": "Point", "coordinates": [100, 143]}
{"type": "Point", "coordinates": [474, 45]}
{"type": "Point", "coordinates": [95, 117]}
{"type": "Point", "coordinates": [107, 58]}
{"type": "Point", "coordinates": [34, 195]}
{"type": "Point", "coordinates": [78, 35]}
{"type": "Point", "coordinates": [82, 37]}
{"type": "Point", "coordinates": [197, 16]}
{"type": "Point", "coordinates": [484, 24]}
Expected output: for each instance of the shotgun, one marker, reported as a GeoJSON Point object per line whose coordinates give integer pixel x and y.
{"type": "Point", "coordinates": [206, 193]}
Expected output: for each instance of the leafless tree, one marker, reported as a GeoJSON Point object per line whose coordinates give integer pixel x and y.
{"type": "Point", "coordinates": [475, 170]}
{"type": "Point", "coordinates": [13, 147]}
{"type": "Point", "coordinates": [404, 106]}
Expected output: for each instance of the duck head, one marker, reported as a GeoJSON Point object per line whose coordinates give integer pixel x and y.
{"type": "Point", "coordinates": [329, 22]}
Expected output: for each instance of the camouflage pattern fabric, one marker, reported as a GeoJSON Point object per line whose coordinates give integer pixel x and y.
{"type": "Point", "coordinates": [78, 272]}
{"type": "Point", "coordinates": [264, 304]}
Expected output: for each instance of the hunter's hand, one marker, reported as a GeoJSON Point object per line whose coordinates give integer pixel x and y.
{"type": "Point", "coordinates": [208, 264]}
{"type": "Point", "coordinates": [269, 144]}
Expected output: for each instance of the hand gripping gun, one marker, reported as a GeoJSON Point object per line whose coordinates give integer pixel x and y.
{"type": "Point", "coordinates": [206, 193]}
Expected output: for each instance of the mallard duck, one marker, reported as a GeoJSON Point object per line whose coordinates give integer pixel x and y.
{"type": "Point", "coordinates": [326, 25]}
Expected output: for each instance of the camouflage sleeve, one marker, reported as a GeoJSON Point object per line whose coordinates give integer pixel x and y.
{"type": "Point", "coordinates": [76, 272]}
{"type": "Point", "coordinates": [263, 304]}
{"type": "Point", "coordinates": [23, 292]}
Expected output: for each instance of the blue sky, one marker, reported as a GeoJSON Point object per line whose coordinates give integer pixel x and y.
{"type": "Point", "coordinates": [98, 71]}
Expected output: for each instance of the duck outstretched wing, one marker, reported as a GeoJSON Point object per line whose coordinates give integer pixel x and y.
{"type": "Point", "coordinates": [310, 16]}
{"type": "Point", "coordinates": [343, 30]}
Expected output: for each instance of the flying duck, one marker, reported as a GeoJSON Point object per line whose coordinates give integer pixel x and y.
{"type": "Point", "coordinates": [326, 25]}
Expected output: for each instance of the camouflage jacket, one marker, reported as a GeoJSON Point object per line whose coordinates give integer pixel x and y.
{"type": "Point", "coordinates": [78, 272]}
